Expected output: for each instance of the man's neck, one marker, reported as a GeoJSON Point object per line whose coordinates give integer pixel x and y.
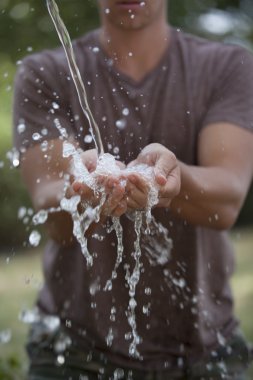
{"type": "Point", "coordinates": [136, 52]}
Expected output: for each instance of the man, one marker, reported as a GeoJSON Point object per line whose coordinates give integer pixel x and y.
{"type": "Point", "coordinates": [187, 110]}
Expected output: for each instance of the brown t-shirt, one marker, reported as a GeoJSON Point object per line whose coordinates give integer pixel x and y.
{"type": "Point", "coordinates": [195, 84]}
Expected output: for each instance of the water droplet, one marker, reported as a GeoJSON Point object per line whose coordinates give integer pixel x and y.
{"type": "Point", "coordinates": [107, 11]}
{"type": "Point", "coordinates": [118, 374]}
{"type": "Point", "coordinates": [21, 128]}
{"type": "Point", "coordinates": [62, 343]}
{"type": "Point", "coordinates": [109, 338]}
{"type": "Point", "coordinates": [121, 124]}
{"type": "Point", "coordinates": [13, 155]}
{"type": "Point", "coordinates": [34, 238]}
{"type": "Point", "coordinates": [148, 291]}
{"type": "Point", "coordinates": [125, 111]}
{"type": "Point", "coordinates": [179, 282]}
{"type": "Point", "coordinates": [116, 150]}
{"type": "Point", "coordinates": [21, 212]}
{"type": "Point", "coordinates": [60, 360]}
{"type": "Point", "coordinates": [36, 136]}
{"type": "Point", "coordinates": [221, 339]}
{"type": "Point", "coordinates": [88, 139]}
{"type": "Point", "coordinates": [132, 303]}
{"type": "Point", "coordinates": [29, 316]}
{"type": "Point", "coordinates": [145, 309]}
{"type": "Point", "coordinates": [128, 336]}
{"type": "Point", "coordinates": [180, 362]}
{"type": "Point", "coordinates": [55, 106]}
{"type": "Point", "coordinates": [5, 336]}
{"type": "Point", "coordinates": [44, 146]}
{"type": "Point", "coordinates": [40, 217]}
{"type": "Point", "coordinates": [94, 287]}
{"type": "Point", "coordinates": [95, 49]}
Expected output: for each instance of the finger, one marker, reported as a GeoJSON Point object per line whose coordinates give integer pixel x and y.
{"type": "Point", "coordinates": [114, 199]}
{"type": "Point", "coordinates": [172, 186]}
{"type": "Point", "coordinates": [136, 198]}
{"type": "Point", "coordinates": [70, 192]}
{"type": "Point", "coordinates": [138, 181]}
{"type": "Point", "coordinates": [120, 209]}
{"type": "Point", "coordinates": [89, 159]}
{"type": "Point", "coordinates": [166, 163]}
{"type": "Point", "coordinates": [120, 164]}
{"type": "Point", "coordinates": [86, 193]}
{"type": "Point", "coordinates": [132, 163]}
{"type": "Point", "coordinates": [132, 205]}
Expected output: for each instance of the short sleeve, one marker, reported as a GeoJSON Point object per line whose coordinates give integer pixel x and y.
{"type": "Point", "coordinates": [232, 96]}
{"type": "Point", "coordinates": [40, 107]}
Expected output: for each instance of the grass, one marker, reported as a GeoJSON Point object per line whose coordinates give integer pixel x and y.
{"type": "Point", "coordinates": [20, 278]}
{"type": "Point", "coordinates": [242, 282]}
{"type": "Point", "coordinates": [7, 70]}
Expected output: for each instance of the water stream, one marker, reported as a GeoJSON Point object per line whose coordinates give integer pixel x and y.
{"type": "Point", "coordinates": [75, 73]}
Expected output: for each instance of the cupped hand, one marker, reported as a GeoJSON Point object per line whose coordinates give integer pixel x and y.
{"type": "Point", "coordinates": [166, 173]}
{"type": "Point", "coordinates": [113, 186]}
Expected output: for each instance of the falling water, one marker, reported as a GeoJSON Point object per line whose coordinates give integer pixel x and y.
{"type": "Point", "coordinates": [75, 73]}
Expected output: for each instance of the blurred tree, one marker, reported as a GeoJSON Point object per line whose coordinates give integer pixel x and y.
{"type": "Point", "coordinates": [25, 26]}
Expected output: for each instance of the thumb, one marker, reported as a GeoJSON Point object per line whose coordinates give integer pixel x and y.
{"type": "Point", "coordinates": [132, 163]}
{"type": "Point", "coordinates": [162, 169]}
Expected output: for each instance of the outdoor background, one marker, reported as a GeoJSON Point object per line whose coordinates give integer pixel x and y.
{"type": "Point", "coordinates": [25, 28]}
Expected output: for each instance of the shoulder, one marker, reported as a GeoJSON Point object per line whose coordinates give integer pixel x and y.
{"type": "Point", "coordinates": [212, 55]}
{"type": "Point", "coordinates": [53, 61]}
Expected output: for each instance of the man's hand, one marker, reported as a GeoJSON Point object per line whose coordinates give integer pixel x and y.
{"type": "Point", "coordinates": [112, 186]}
{"type": "Point", "coordinates": [166, 172]}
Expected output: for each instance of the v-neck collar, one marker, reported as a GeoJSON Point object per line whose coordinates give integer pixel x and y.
{"type": "Point", "coordinates": [107, 61]}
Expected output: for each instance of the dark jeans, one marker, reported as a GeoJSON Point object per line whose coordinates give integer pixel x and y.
{"type": "Point", "coordinates": [53, 357]}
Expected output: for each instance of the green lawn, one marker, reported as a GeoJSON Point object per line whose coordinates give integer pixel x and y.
{"type": "Point", "coordinates": [20, 278]}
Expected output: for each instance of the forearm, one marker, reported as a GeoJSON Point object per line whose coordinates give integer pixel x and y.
{"type": "Point", "coordinates": [209, 196]}
{"type": "Point", "coordinates": [59, 224]}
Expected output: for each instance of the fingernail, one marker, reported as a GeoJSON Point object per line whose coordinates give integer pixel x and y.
{"type": "Point", "coordinates": [76, 186]}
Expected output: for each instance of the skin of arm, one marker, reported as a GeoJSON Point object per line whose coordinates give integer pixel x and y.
{"type": "Point", "coordinates": [210, 194]}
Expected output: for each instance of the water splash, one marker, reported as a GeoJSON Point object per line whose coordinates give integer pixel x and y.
{"type": "Point", "coordinates": [133, 280]}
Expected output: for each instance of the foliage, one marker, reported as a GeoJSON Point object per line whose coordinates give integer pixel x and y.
{"type": "Point", "coordinates": [10, 368]}
{"type": "Point", "coordinates": [19, 18]}
{"type": "Point", "coordinates": [12, 192]}
{"type": "Point", "coordinates": [13, 195]}
{"type": "Point", "coordinates": [246, 215]}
